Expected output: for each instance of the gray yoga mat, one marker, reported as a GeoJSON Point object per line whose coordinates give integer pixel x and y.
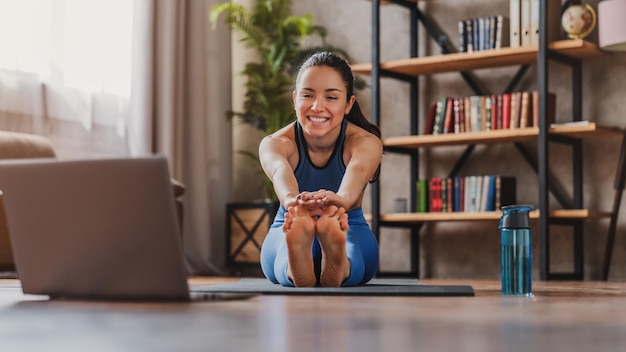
{"type": "Point", "coordinates": [376, 287]}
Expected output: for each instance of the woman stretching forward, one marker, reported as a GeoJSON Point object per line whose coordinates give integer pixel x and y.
{"type": "Point", "coordinates": [319, 166]}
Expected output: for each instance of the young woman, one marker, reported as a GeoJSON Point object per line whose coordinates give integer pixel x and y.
{"type": "Point", "coordinates": [319, 166]}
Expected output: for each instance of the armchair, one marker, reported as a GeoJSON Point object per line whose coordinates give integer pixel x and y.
{"type": "Point", "coordinates": [14, 145]}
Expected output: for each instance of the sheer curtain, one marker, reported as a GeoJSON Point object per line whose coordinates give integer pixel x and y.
{"type": "Point", "coordinates": [126, 78]}
{"type": "Point", "coordinates": [64, 73]}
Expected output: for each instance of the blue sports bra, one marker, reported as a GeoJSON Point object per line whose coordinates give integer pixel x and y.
{"type": "Point", "coordinates": [312, 178]}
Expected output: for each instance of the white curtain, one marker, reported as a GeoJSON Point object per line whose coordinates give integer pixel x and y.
{"type": "Point", "coordinates": [123, 78]}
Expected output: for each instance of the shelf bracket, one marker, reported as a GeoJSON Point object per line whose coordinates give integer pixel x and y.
{"type": "Point", "coordinates": [444, 44]}
{"type": "Point", "coordinates": [555, 188]}
{"type": "Point", "coordinates": [521, 72]}
{"type": "Point", "coordinates": [620, 181]}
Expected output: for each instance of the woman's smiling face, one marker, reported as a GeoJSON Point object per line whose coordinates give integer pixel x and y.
{"type": "Point", "coordinates": [320, 100]}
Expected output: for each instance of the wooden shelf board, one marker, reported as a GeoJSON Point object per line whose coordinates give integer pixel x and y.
{"type": "Point", "coordinates": [589, 130]}
{"type": "Point", "coordinates": [480, 59]}
{"type": "Point", "coordinates": [482, 216]}
{"type": "Point", "coordinates": [383, 2]}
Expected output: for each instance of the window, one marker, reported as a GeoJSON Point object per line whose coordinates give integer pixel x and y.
{"type": "Point", "coordinates": [77, 54]}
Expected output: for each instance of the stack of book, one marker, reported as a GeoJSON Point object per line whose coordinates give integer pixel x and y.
{"type": "Point", "coordinates": [465, 194]}
{"type": "Point", "coordinates": [486, 113]}
{"type": "Point", "coordinates": [483, 33]}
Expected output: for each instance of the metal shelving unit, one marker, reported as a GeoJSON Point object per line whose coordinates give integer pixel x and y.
{"type": "Point", "coordinates": [569, 52]}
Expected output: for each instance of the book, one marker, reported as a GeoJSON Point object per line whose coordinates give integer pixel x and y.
{"type": "Point", "coordinates": [461, 115]}
{"type": "Point", "coordinates": [430, 118]}
{"type": "Point", "coordinates": [448, 121]}
{"type": "Point", "coordinates": [506, 111]}
{"type": "Point", "coordinates": [422, 196]}
{"type": "Point", "coordinates": [502, 32]}
{"type": "Point", "coordinates": [466, 193]}
{"type": "Point", "coordinates": [499, 112]}
{"type": "Point", "coordinates": [469, 36]}
{"type": "Point", "coordinates": [524, 109]}
{"type": "Point", "coordinates": [479, 193]}
{"type": "Point", "coordinates": [514, 23]}
{"type": "Point", "coordinates": [461, 29]}
{"type": "Point", "coordinates": [434, 190]}
{"type": "Point", "coordinates": [482, 31]}
{"type": "Point", "coordinates": [439, 115]}
{"type": "Point", "coordinates": [467, 110]}
{"type": "Point", "coordinates": [443, 195]}
{"type": "Point", "coordinates": [484, 193]}
{"type": "Point", "coordinates": [461, 192]}
{"type": "Point", "coordinates": [551, 113]}
{"type": "Point", "coordinates": [483, 113]}
{"type": "Point", "coordinates": [554, 21]}
{"type": "Point", "coordinates": [476, 34]}
{"type": "Point", "coordinates": [487, 116]}
{"type": "Point", "coordinates": [472, 194]}
{"type": "Point", "coordinates": [505, 191]}
{"type": "Point", "coordinates": [515, 101]}
{"type": "Point", "coordinates": [525, 23]}
{"type": "Point", "coordinates": [491, 194]}
{"type": "Point", "coordinates": [570, 123]}
{"type": "Point", "coordinates": [457, 115]}
{"type": "Point", "coordinates": [492, 32]}
{"type": "Point", "coordinates": [474, 113]}
{"type": "Point", "coordinates": [450, 195]}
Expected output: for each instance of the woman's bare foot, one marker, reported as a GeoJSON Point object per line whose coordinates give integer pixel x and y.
{"type": "Point", "coordinates": [299, 229]}
{"type": "Point", "coordinates": [331, 229]}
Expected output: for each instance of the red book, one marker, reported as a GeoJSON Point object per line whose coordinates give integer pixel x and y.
{"type": "Point", "coordinates": [450, 194]}
{"type": "Point", "coordinates": [430, 118]}
{"type": "Point", "coordinates": [499, 112]}
{"type": "Point", "coordinates": [435, 195]}
{"type": "Point", "coordinates": [506, 111]}
{"type": "Point", "coordinates": [448, 122]}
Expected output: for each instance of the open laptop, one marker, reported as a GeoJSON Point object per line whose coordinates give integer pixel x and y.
{"type": "Point", "coordinates": [103, 229]}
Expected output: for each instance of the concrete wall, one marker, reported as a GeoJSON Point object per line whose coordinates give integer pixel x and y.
{"type": "Point", "coordinates": [471, 250]}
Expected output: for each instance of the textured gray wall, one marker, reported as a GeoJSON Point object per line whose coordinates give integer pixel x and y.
{"type": "Point", "coordinates": [471, 249]}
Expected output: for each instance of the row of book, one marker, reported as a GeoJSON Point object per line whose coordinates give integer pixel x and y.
{"type": "Point", "coordinates": [524, 21]}
{"type": "Point", "coordinates": [465, 194]}
{"type": "Point", "coordinates": [520, 28]}
{"type": "Point", "coordinates": [483, 33]}
{"type": "Point", "coordinates": [486, 113]}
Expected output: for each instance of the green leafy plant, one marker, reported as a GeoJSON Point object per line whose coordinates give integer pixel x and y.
{"type": "Point", "coordinates": [277, 38]}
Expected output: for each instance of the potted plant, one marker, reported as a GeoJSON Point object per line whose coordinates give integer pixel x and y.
{"type": "Point", "coordinates": [277, 37]}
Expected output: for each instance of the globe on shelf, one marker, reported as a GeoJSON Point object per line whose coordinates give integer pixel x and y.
{"type": "Point", "coordinates": [578, 21]}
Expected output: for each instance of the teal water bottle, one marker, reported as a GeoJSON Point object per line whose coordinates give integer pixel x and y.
{"type": "Point", "coordinates": [516, 250]}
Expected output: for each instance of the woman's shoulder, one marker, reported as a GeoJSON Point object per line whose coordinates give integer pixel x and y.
{"type": "Point", "coordinates": [356, 133]}
{"type": "Point", "coordinates": [282, 137]}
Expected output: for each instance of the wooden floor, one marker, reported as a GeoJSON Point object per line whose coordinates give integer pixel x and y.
{"type": "Point", "coordinates": [562, 316]}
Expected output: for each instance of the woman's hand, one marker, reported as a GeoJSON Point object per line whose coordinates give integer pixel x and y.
{"type": "Point", "coordinates": [321, 199]}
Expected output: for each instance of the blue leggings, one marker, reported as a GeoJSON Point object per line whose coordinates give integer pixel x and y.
{"type": "Point", "coordinates": [361, 247]}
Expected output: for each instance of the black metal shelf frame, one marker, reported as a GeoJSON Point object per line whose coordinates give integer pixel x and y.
{"type": "Point", "coordinates": [548, 183]}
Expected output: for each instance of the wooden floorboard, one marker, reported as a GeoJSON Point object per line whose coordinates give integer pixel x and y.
{"type": "Point", "coordinates": [561, 316]}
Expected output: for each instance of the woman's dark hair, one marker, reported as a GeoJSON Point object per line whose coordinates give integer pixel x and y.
{"type": "Point", "coordinates": [340, 65]}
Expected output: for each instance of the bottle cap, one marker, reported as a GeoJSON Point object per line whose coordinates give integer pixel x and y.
{"type": "Point", "coordinates": [515, 216]}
